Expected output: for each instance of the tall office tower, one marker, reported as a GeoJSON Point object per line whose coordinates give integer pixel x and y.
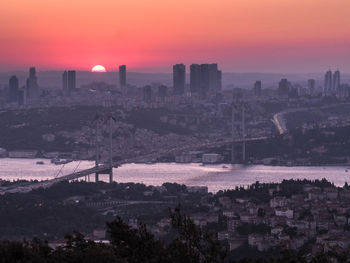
{"type": "Point", "coordinates": [283, 87]}
{"type": "Point", "coordinates": [219, 80]}
{"type": "Point", "coordinates": [204, 83]}
{"type": "Point", "coordinates": [336, 82]}
{"type": "Point", "coordinates": [13, 89]}
{"type": "Point", "coordinates": [179, 78]}
{"type": "Point", "coordinates": [328, 83]}
{"type": "Point", "coordinates": [204, 78]}
{"type": "Point", "coordinates": [22, 96]}
{"type": "Point", "coordinates": [162, 92]}
{"type": "Point", "coordinates": [122, 77]}
{"type": "Point", "coordinates": [257, 88]}
{"type": "Point", "coordinates": [65, 83]}
{"type": "Point", "coordinates": [195, 78]}
{"type": "Point", "coordinates": [71, 83]}
{"type": "Point", "coordinates": [32, 84]}
{"type": "Point", "coordinates": [213, 77]}
{"type": "Point", "coordinates": [311, 85]}
{"type": "Point", "coordinates": [147, 93]}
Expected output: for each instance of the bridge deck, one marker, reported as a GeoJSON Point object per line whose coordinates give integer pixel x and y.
{"type": "Point", "coordinates": [104, 167]}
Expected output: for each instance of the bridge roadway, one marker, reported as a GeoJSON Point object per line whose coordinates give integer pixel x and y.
{"type": "Point", "coordinates": [24, 188]}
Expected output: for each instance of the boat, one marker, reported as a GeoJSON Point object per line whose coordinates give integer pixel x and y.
{"type": "Point", "coordinates": [40, 162]}
{"type": "Point", "coordinates": [55, 160]}
{"type": "Point", "coordinates": [224, 166]}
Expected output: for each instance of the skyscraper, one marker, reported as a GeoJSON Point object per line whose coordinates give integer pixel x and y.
{"type": "Point", "coordinates": [179, 78]}
{"type": "Point", "coordinates": [204, 78]}
{"type": "Point", "coordinates": [71, 81]}
{"type": "Point", "coordinates": [22, 96]}
{"type": "Point", "coordinates": [257, 88]}
{"type": "Point", "coordinates": [13, 89]}
{"type": "Point", "coordinates": [284, 87]}
{"type": "Point", "coordinates": [195, 78]}
{"type": "Point", "coordinates": [336, 82]}
{"type": "Point", "coordinates": [311, 85]}
{"type": "Point", "coordinates": [122, 77]}
{"type": "Point", "coordinates": [162, 92]}
{"type": "Point", "coordinates": [213, 76]}
{"type": "Point", "coordinates": [328, 83]}
{"type": "Point", "coordinates": [204, 84]}
{"type": "Point", "coordinates": [147, 93]}
{"type": "Point", "coordinates": [65, 83]}
{"type": "Point", "coordinates": [219, 80]}
{"type": "Point", "coordinates": [32, 84]}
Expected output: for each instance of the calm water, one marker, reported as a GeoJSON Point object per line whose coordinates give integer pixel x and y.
{"type": "Point", "coordinates": [216, 177]}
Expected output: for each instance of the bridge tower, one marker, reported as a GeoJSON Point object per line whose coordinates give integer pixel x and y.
{"type": "Point", "coordinates": [97, 150]}
{"type": "Point", "coordinates": [110, 148]}
{"type": "Point", "coordinates": [109, 170]}
{"type": "Point", "coordinates": [238, 127]}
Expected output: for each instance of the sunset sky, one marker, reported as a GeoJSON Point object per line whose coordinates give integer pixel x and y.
{"type": "Point", "coordinates": [151, 35]}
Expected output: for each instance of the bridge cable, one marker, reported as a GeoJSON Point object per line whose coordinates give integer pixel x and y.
{"type": "Point", "coordinates": [60, 171]}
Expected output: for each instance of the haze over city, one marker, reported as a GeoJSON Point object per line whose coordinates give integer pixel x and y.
{"type": "Point", "coordinates": [287, 36]}
{"type": "Point", "coordinates": [175, 131]}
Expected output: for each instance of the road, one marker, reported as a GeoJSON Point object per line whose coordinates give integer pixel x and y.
{"type": "Point", "coordinates": [280, 122]}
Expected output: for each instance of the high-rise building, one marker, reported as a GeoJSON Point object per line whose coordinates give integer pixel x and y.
{"type": "Point", "coordinates": [65, 83]}
{"type": "Point", "coordinates": [311, 86]}
{"type": "Point", "coordinates": [22, 96]}
{"type": "Point", "coordinates": [195, 78]}
{"type": "Point", "coordinates": [32, 84]}
{"type": "Point", "coordinates": [162, 92]}
{"type": "Point", "coordinates": [13, 89]}
{"type": "Point", "coordinates": [204, 78]}
{"type": "Point", "coordinates": [257, 88]}
{"type": "Point", "coordinates": [328, 83]}
{"type": "Point", "coordinates": [213, 76]}
{"type": "Point", "coordinates": [204, 84]}
{"type": "Point", "coordinates": [336, 82]}
{"type": "Point", "coordinates": [179, 78]}
{"type": "Point", "coordinates": [71, 81]}
{"type": "Point", "coordinates": [219, 80]}
{"type": "Point", "coordinates": [147, 93]}
{"type": "Point", "coordinates": [122, 77]}
{"type": "Point", "coordinates": [284, 87]}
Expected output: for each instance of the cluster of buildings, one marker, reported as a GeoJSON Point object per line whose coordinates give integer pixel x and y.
{"type": "Point", "coordinates": [317, 219]}
{"type": "Point", "coordinates": [204, 78]}
{"type": "Point", "coordinates": [332, 85]}
{"type": "Point", "coordinates": [205, 82]}
{"type": "Point", "coordinates": [68, 82]}
{"type": "Point", "coordinates": [29, 92]}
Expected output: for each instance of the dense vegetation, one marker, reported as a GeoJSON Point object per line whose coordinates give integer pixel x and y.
{"type": "Point", "coordinates": [189, 244]}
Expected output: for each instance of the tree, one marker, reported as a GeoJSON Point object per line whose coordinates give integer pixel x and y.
{"type": "Point", "coordinates": [191, 244]}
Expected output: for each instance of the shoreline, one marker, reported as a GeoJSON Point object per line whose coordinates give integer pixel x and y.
{"type": "Point", "coordinates": [191, 163]}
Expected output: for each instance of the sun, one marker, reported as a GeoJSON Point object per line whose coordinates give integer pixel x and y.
{"type": "Point", "coordinates": [98, 68]}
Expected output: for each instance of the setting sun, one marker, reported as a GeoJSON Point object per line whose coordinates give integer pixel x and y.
{"type": "Point", "coordinates": [98, 68]}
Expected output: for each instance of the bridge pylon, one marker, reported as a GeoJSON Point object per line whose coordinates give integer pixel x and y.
{"type": "Point", "coordinates": [238, 127]}
{"type": "Point", "coordinates": [99, 120]}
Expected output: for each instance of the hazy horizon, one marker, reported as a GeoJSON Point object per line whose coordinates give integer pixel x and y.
{"type": "Point", "coordinates": [53, 78]}
{"type": "Point", "coordinates": [241, 36]}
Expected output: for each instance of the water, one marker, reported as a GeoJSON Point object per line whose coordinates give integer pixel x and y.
{"type": "Point", "coordinates": [216, 177]}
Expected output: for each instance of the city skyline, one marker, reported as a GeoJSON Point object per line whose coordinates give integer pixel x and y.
{"type": "Point", "coordinates": [242, 36]}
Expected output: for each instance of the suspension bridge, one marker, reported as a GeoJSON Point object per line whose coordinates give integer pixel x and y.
{"type": "Point", "coordinates": [108, 168]}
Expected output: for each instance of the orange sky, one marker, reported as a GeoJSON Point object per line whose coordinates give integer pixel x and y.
{"type": "Point", "coordinates": [151, 35]}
